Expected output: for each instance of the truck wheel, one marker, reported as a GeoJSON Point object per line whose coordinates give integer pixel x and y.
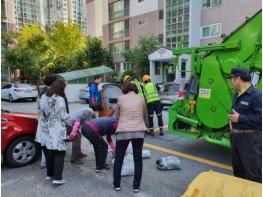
{"type": "Point", "coordinates": [22, 151]}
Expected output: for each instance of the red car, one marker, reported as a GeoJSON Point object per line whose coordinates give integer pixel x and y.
{"type": "Point", "coordinates": [18, 138]}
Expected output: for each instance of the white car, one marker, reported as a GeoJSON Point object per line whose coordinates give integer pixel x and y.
{"type": "Point", "coordinates": [84, 92]}
{"type": "Point", "coordinates": [17, 91]}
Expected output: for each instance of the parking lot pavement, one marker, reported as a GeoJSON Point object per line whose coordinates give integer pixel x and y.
{"type": "Point", "coordinates": [81, 180]}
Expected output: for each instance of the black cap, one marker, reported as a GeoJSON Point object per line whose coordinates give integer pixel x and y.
{"type": "Point", "coordinates": [243, 73]}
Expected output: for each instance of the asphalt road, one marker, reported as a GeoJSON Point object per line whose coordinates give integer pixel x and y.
{"type": "Point", "coordinates": [81, 180]}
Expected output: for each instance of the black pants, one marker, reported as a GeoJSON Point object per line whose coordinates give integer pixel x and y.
{"type": "Point", "coordinates": [121, 147]}
{"type": "Point", "coordinates": [54, 163]}
{"type": "Point", "coordinates": [156, 107]}
{"type": "Point", "coordinates": [246, 156]}
{"type": "Point", "coordinates": [99, 145]}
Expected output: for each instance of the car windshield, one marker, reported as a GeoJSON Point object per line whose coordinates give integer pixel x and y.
{"type": "Point", "coordinates": [172, 88]}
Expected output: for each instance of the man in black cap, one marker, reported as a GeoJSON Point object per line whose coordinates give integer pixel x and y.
{"type": "Point", "coordinates": [245, 120]}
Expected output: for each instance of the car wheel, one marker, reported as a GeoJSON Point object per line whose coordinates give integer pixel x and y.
{"type": "Point", "coordinates": [22, 151]}
{"type": "Point", "coordinates": [34, 99]}
{"type": "Point", "coordinates": [10, 98]}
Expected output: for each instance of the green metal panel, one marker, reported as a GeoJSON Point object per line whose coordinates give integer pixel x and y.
{"type": "Point", "coordinates": [204, 114]}
{"type": "Point", "coordinates": [213, 93]}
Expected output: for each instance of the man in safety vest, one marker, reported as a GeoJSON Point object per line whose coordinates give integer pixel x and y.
{"type": "Point", "coordinates": [139, 86]}
{"type": "Point", "coordinates": [153, 104]}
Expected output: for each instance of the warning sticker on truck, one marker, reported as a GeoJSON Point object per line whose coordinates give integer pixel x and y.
{"type": "Point", "coordinates": [204, 93]}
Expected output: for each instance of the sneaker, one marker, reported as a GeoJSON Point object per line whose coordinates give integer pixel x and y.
{"type": "Point", "coordinates": [48, 178]}
{"type": "Point", "coordinates": [58, 182]}
{"type": "Point", "coordinates": [102, 170]}
{"type": "Point", "coordinates": [136, 190]}
{"type": "Point", "coordinates": [78, 161]}
{"type": "Point", "coordinates": [116, 188]}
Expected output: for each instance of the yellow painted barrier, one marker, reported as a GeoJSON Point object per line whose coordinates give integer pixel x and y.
{"type": "Point", "coordinates": [213, 184]}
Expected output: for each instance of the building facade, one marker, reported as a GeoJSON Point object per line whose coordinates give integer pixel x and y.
{"type": "Point", "coordinates": [43, 12]}
{"type": "Point", "coordinates": [190, 23]}
{"type": "Point", "coordinates": [125, 21]}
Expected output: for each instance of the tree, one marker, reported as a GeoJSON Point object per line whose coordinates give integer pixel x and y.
{"type": "Point", "coordinates": [138, 56]}
{"type": "Point", "coordinates": [33, 52]}
{"type": "Point", "coordinates": [66, 40]}
{"type": "Point", "coordinates": [95, 54]}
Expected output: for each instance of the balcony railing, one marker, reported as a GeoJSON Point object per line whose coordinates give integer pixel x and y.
{"type": "Point", "coordinates": [118, 14]}
{"type": "Point", "coordinates": [119, 34]}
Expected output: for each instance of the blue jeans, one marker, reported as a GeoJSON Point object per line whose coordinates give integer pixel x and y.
{"type": "Point", "coordinates": [121, 147]}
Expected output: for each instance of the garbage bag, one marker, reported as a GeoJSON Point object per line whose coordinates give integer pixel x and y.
{"type": "Point", "coordinates": [146, 154]}
{"type": "Point", "coordinates": [168, 163]}
{"type": "Point", "coordinates": [127, 166]}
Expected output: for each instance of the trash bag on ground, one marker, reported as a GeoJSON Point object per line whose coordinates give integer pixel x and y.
{"type": "Point", "coordinates": [146, 154]}
{"type": "Point", "coordinates": [127, 166]}
{"type": "Point", "coordinates": [168, 163]}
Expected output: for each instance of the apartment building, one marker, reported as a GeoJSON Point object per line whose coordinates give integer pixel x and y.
{"type": "Point", "coordinates": [195, 23]}
{"type": "Point", "coordinates": [125, 21]}
{"type": "Point", "coordinates": [44, 12]}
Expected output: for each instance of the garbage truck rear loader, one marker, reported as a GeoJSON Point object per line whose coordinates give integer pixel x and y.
{"type": "Point", "coordinates": [208, 97]}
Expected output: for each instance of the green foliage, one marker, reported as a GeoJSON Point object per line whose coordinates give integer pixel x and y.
{"type": "Point", "coordinates": [58, 48]}
{"type": "Point", "coordinates": [95, 54]}
{"type": "Point", "coordinates": [66, 40]}
{"type": "Point", "coordinates": [138, 56]}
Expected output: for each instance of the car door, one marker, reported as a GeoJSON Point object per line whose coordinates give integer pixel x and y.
{"type": "Point", "coordinates": [5, 91]}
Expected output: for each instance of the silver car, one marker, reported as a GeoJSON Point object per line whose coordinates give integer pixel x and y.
{"type": "Point", "coordinates": [110, 91]}
{"type": "Point", "coordinates": [169, 93]}
{"type": "Point", "coordinates": [18, 91]}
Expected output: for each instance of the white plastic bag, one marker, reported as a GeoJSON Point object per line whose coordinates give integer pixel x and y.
{"type": "Point", "coordinates": [146, 154]}
{"type": "Point", "coordinates": [127, 166]}
{"type": "Point", "coordinates": [168, 163]}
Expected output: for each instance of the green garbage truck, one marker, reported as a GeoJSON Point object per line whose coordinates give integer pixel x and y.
{"type": "Point", "coordinates": [202, 113]}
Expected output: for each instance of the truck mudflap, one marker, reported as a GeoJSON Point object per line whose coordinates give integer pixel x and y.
{"type": "Point", "coordinates": [213, 184]}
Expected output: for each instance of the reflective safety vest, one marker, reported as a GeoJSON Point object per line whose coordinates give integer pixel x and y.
{"type": "Point", "coordinates": [150, 92]}
{"type": "Point", "coordinates": [139, 88]}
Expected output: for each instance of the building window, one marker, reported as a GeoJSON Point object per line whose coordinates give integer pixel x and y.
{"type": "Point", "coordinates": [139, 1]}
{"type": "Point", "coordinates": [177, 21]}
{"type": "Point", "coordinates": [118, 49]}
{"type": "Point", "coordinates": [118, 9]}
{"type": "Point", "coordinates": [212, 30]}
{"type": "Point", "coordinates": [119, 30]}
{"type": "Point", "coordinates": [160, 14]}
{"type": "Point", "coordinates": [211, 3]}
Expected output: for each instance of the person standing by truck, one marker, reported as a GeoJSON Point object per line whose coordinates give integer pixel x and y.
{"type": "Point", "coordinates": [153, 104]}
{"type": "Point", "coordinates": [138, 85]}
{"type": "Point", "coordinates": [246, 130]}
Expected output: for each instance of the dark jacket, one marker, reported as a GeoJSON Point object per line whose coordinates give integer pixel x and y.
{"type": "Point", "coordinates": [249, 106]}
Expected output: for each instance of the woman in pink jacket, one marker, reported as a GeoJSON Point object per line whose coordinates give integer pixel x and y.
{"type": "Point", "coordinates": [131, 112]}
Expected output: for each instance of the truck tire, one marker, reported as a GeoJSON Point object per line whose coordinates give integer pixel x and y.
{"type": "Point", "coordinates": [22, 151]}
